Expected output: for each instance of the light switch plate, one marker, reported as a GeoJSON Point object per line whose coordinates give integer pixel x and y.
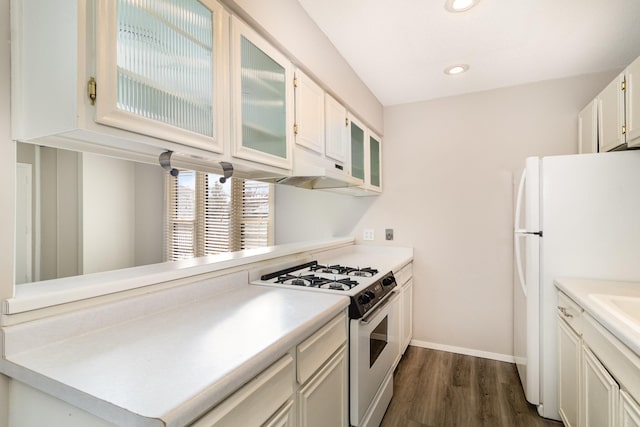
{"type": "Point", "coordinates": [368, 234]}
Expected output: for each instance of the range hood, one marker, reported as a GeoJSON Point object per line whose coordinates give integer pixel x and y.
{"type": "Point", "coordinates": [311, 171]}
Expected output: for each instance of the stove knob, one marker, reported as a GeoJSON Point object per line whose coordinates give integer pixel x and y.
{"type": "Point", "coordinates": [387, 281]}
{"type": "Point", "coordinates": [364, 298]}
{"type": "Point", "coordinates": [370, 294]}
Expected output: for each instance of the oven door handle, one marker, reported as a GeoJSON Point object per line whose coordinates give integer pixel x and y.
{"type": "Point", "coordinates": [381, 305]}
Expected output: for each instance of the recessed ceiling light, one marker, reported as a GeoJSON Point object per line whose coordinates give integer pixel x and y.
{"type": "Point", "coordinates": [459, 5]}
{"type": "Point", "coordinates": [456, 69]}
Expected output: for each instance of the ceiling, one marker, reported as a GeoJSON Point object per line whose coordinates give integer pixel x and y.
{"type": "Point", "coordinates": [399, 48]}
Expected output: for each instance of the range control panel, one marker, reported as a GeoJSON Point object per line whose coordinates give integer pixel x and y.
{"type": "Point", "coordinates": [368, 298]}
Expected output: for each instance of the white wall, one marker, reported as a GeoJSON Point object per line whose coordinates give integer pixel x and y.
{"type": "Point", "coordinates": [149, 213]}
{"type": "Point", "coordinates": [289, 27]}
{"type": "Point", "coordinates": [108, 213]}
{"type": "Point", "coordinates": [312, 214]}
{"type": "Point", "coordinates": [448, 167]}
{"type": "Point", "coordinates": [7, 177]}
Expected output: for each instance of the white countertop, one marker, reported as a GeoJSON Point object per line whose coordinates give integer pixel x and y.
{"type": "Point", "coordinates": [580, 290]}
{"type": "Point", "coordinates": [167, 366]}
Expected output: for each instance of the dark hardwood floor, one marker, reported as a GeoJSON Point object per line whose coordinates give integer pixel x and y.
{"type": "Point", "coordinates": [440, 389]}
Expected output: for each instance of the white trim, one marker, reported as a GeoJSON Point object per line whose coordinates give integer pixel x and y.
{"type": "Point", "coordinates": [462, 350]}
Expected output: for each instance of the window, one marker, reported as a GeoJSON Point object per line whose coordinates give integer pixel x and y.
{"type": "Point", "coordinates": [206, 217]}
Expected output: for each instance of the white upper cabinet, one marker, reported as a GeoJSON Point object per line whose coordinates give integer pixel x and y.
{"type": "Point", "coordinates": [588, 129]}
{"type": "Point", "coordinates": [617, 115]}
{"type": "Point", "coordinates": [632, 98]}
{"type": "Point", "coordinates": [357, 142]}
{"type": "Point", "coordinates": [262, 99]}
{"type": "Point", "coordinates": [611, 115]}
{"type": "Point", "coordinates": [160, 68]}
{"type": "Point", "coordinates": [337, 130]}
{"type": "Point", "coordinates": [309, 113]}
{"type": "Point", "coordinates": [373, 179]}
{"type": "Point", "coordinates": [146, 74]}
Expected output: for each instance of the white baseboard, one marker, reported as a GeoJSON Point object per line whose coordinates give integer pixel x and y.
{"type": "Point", "coordinates": [461, 350]}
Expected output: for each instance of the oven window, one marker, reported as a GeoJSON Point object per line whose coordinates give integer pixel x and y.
{"type": "Point", "coordinates": [377, 341]}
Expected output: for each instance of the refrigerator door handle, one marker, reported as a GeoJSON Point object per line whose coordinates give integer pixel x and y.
{"type": "Point", "coordinates": [516, 220]}
{"type": "Point", "coordinates": [519, 264]}
{"type": "Point", "coordinates": [518, 232]}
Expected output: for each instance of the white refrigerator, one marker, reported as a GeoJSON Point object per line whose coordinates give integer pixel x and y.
{"type": "Point", "coordinates": [576, 216]}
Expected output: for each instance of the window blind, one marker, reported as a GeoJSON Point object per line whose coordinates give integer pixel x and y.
{"type": "Point", "coordinates": [206, 217]}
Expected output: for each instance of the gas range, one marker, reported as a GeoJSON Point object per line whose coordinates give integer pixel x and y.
{"type": "Point", "coordinates": [365, 286]}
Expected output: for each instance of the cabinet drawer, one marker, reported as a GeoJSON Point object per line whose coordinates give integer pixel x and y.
{"type": "Point", "coordinates": [404, 274]}
{"type": "Point", "coordinates": [570, 312]}
{"type": "Point", "coordinates": [257, 401]}
{"type": "Point", "coordinates": [316, 349]}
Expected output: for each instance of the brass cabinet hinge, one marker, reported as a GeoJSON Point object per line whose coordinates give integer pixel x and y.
{"type": "Point", "coordinates": [624, 130]}
{"type": "Point", "coordinates": [295, 82]}
{"type": "Point", "coordinates": [346, 121]}
{"type": "Point", "coordinates": [92, 90]}
{"type": "Point", "coordinates": [295, 129]}
{"type": "Point", "coordinates": [624, 85]}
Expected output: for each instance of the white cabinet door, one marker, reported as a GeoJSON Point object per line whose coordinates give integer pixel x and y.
{"type": "Point", "coordinates": [611, 115]}
{"type": "Point", "coordinates": [323, 399]}
{"type": "Point", "coordinates": [120, 77]}
{"type": "Point", "coordinates": [629, 411]}
{"type": "Point", "coordinates": [406, 311]}
{"type": "Point", "coordinates": [599, 403]}
{"type": "Point", "coordinates": [337, 130]}
{"type": "Point", "coordinates": [632, 100]}
{"type": "Point", "coordinates": [161, 67]}
{"type": "Point", "coordinates": [309, 113]}
{"type": "Point", "coordinates": [262, 98]}
{"type": "Point", "coordinates": [569, 351]}
{"type": "Point", "coordinates": [588, 129]}
{"type": "Point", "coordinates": [374, 162]}
{"type": "Point", "coordinates": [285, 417]}
{"type": "Point", "coordinates": [357, 141]}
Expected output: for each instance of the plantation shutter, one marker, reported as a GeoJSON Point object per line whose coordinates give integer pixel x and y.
{"type": "Point", "coordinates": [206, 217]}
{"type": "Point", "coordinates": [255, 214]}
{"type": "Point", "coordinates": [217, 237]}
{"type": "Point", "coordinates": [180, 230]}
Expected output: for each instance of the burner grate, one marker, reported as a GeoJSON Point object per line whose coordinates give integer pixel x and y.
{"type": "Point", "coordinates": [361, 272]}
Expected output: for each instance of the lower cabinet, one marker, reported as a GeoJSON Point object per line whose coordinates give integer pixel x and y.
{"type": "Point", "coordinates": [404, 280]}
{"type": "Point", "coordinates": [598, 377]}
{"type": "Point", "coordinates": [308, 387]}
{"type": "Point", "coordinates": [285, 417]}
{"type": "Point", "coordinates": [600, 393]}
{"type": "Point", "coordinates": [256, 402]}
{"type": "Point", "coordinates": [406, 311]}
{"type": "Point", "coordinates": [569, 361]}
{"type": "Point", "coordinates": [629, 411]}
{"type": "Point", "coordinates": [323, 399]}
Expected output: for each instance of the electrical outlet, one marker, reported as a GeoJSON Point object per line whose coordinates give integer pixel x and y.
{"type": "Point", "coordinates": [368, 234]}
{"type": "Point", "coordinates": [388, 234]}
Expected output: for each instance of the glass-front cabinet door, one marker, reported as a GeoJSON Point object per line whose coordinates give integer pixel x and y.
{"type": "Point", "coordinates": [262, 97]}
{"type": "Point", "coordinates": [357, 148]}
{"type": "Point", "coordinates": [366, 157]}
{"type": "Point", "coordinates": [375, 167]}
{"type": "Point", "coordinates": [160, 68]}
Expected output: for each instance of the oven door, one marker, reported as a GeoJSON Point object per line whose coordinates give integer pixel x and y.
{"type": "Point", "coordinates": [374, 344]}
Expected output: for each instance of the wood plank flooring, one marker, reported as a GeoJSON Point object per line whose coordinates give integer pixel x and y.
{"type": "Point", "coordinates": [440, 389]}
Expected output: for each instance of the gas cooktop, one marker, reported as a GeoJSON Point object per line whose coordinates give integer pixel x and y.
{"type": "Point", "coordinates": [359, 283]}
